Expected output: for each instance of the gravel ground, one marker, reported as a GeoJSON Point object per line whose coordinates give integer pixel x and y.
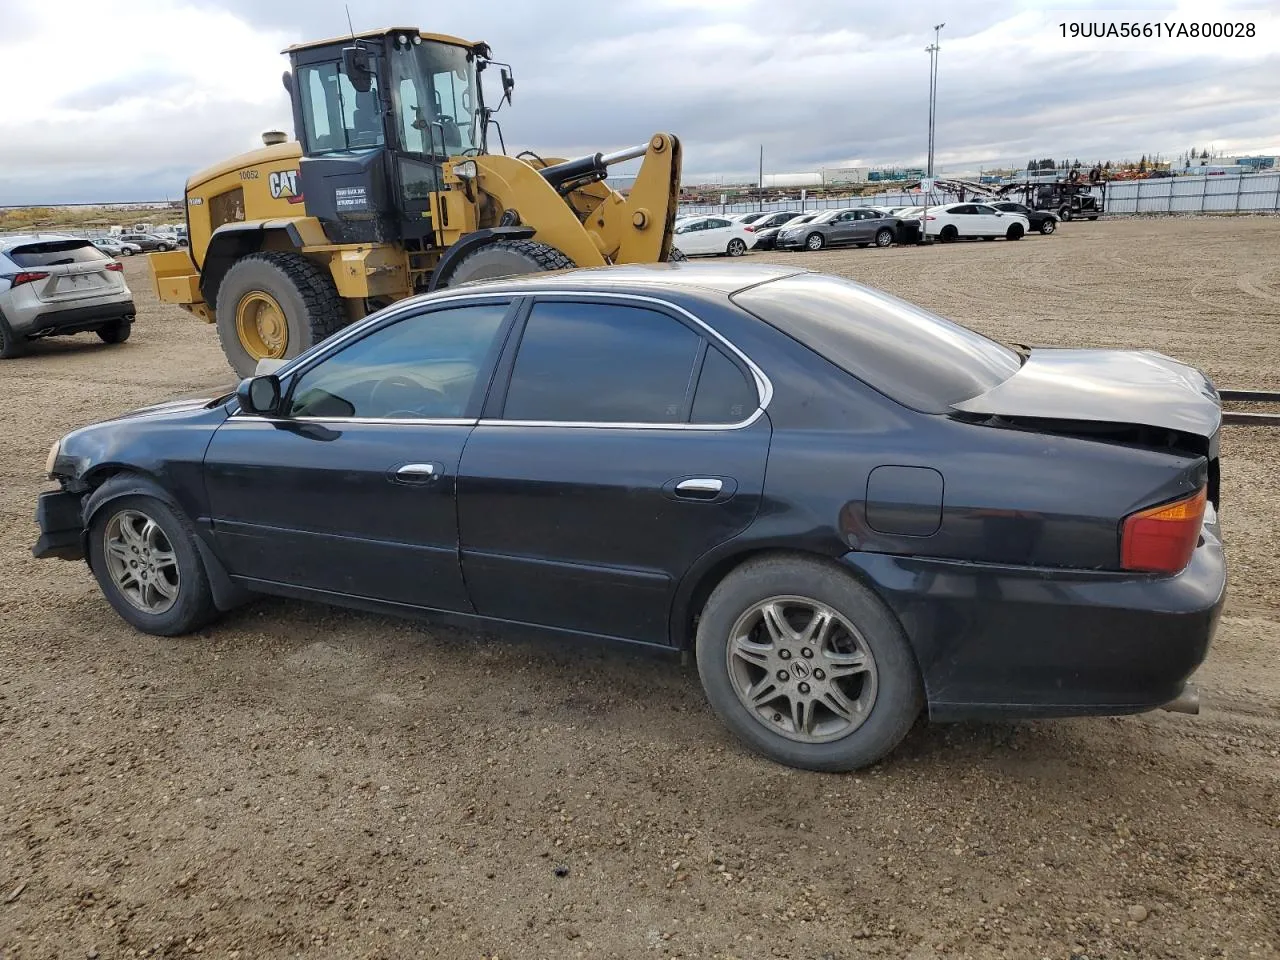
{"type": "Point", "coordinates": [302, 781]}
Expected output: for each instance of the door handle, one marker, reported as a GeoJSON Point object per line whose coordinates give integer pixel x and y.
{"type": "Point", "coordinates": [699, 488]}
{"type": "Point", "coordinates": [415, 473]}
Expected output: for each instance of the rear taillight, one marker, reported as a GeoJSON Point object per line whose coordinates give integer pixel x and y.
{"type": "Point", "coordinates": [1162, 539]}
{"type": "Point", "coordinates": [117, 267]}
{"type": "Point", "coordinates": [749, 228]}
{"type": "Point", "coordinates": [931, 218]}
{"type": "Point", "coordinates": [29, 276]}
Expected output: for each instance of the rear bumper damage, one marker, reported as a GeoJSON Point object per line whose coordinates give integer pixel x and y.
{"type": "Point", "coordinates": [1017, 642]}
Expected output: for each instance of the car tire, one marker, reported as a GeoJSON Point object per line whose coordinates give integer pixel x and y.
{"type": "Point", "coordinates": [11, 345]}
{"type": "Point", "coordinates": [884, 238]}
{"type": "Point", "coordinates": [163, 592]}
{"type": "Point", "coordinates": [301, 293]}
{"type": "Point", "coordinates": [117, 331]}
{"type": "Point", "coordinates": [1048, 226]}
{"type": "Point", "coordinates": [886, 697]}
{"type": "Point", "coordinates": [126, 252]}
{"type": "Point", "coordinates": [1014, 232]}
{"type": "Point", "coordinates": [814, 242]}
{"type": "Point", "coordinates": [1064, 214]}
{"type": "Point", "coordinates": [736, 248]}
{"type": "Point", "coordinates": [949, 234]}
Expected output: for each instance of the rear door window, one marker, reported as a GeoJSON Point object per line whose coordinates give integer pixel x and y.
{"type": "Point", "coordinates": [53, 253]}
{"type": "Point", "coordinates": [602, 363]}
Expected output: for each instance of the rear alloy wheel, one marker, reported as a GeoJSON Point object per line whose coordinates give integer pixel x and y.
{"type": "Point", "coordinates": [1014, 232]}
{"type": "Point", "coordinates": [126, 252]}
{"type": "Point", "coordinates": [1048, 226]}
{"type": "Point", "coordinates": [806, 665]}
{"type": "Point", "coordinates": [507, 258]}
{"type": "Point", "coordinates": [815, 241]}
{"type": "Point", "coordinates": [117, 331]}
{"type": "Point", "coordinates": [737, 247]}
{"type": "Point", "coordinates": [949, 233]}
{"type": "Point", "coordinates": [274, 305]}
{"type": "Point", "coordinates": [884, 238]}
{"type": "Point", "coordinates": [1064, 214]}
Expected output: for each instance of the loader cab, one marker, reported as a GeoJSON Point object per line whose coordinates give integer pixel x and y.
{"type": "Point", "coordinates": [376, 116]}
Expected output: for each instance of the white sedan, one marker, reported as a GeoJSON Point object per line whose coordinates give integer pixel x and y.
{"type": "Point", "coordinates": [955, 220]}
{"type": "Point", "coordinates": [713, 235]}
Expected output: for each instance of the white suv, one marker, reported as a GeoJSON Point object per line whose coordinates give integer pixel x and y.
{"type": "Point", "coordinates": [53, 285]}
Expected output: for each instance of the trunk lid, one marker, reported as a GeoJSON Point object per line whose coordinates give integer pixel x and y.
{"type": "Point", "coordinates": [1138, 387]}
{"type": "Point", "coordinates": [77, 270]}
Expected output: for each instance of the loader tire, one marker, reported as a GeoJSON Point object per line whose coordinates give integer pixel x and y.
{"type": "Point", "coordinates": [676, 256]}
{"type": "Point", "coordinates": [275, 305]}
{"type": "Point", "coordinates": [507, 258]}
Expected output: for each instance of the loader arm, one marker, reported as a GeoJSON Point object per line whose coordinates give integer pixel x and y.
{"type": "Point", "coordinates": [590, 223]}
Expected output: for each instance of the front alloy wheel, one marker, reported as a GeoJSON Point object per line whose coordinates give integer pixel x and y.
{"type": "Point", "coordinates": [141, 561]}
{"type": "Point", "coordinates": [801, 669]}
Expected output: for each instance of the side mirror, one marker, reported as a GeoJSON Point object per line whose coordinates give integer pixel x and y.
{"type": "Point", "coordinates": [259, 395]}
{"type": "Point", "coordinates": [508, 84]}
{"type": "Point", "coordinates": [355, 61]}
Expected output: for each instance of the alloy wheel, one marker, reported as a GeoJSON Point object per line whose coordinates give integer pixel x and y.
{"type": "Point", "coordinates": [141, 561]}
{"type": "Point", "coordinates": [801, 669]}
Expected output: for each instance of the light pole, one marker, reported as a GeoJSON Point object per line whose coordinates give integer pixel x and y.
{"type": "Point", "coordinates": [933, 51]}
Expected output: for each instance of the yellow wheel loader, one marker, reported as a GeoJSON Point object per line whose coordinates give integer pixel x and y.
{"type": "Point", "coordinates": [389, 189]}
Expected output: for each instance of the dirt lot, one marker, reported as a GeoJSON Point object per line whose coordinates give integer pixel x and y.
{"type": "Point", "coordinates": [305, 781]}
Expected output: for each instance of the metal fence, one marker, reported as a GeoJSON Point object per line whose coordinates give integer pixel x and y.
{"type": "Point", "coordinates": [1246, 193]}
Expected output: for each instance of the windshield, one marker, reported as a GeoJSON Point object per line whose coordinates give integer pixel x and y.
{"type": "Point", "coordinates": [910, 355]}
{"type": "Point", "coordinates": [434, 95]}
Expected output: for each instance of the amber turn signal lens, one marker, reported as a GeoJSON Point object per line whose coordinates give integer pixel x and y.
{"type": "Point", "coordinates": [1162, 539]}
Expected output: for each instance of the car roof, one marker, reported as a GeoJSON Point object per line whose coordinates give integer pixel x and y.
{"type": "Point", "coordinates": [637, 277]}
{"type": "Point", "coordinates": [21, 239]}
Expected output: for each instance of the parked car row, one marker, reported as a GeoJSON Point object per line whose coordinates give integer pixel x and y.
{"type": "Point", "coordinates": [734, 235]}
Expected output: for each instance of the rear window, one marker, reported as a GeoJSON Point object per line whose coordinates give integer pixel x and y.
{"type": "Point", "coordinates": [52, 253]}
{"type": "Point", "coordinates": [921, 360]}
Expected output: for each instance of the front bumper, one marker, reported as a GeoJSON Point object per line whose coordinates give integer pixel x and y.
{"type": "Point", "coordinates": [1028, 642]}
{"type": "Point", "coordinates": [78, 319]}
{"type": "Point", "coordinates": [61, 526]}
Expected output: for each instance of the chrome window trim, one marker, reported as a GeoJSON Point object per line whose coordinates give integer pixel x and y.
{"type": "Point", "coordinates": [403, 422]}
{"type": "Point", "coordinates": [764, 386]}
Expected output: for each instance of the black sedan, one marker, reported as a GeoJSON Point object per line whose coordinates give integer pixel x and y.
{"type": "Point", "coordinates": [1040, 220]}
{"type": "Point", "coordinates": [850, 509]}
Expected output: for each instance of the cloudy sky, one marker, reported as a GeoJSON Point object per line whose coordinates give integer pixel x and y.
{"type": "Point", "coordinates": [126, 99]}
